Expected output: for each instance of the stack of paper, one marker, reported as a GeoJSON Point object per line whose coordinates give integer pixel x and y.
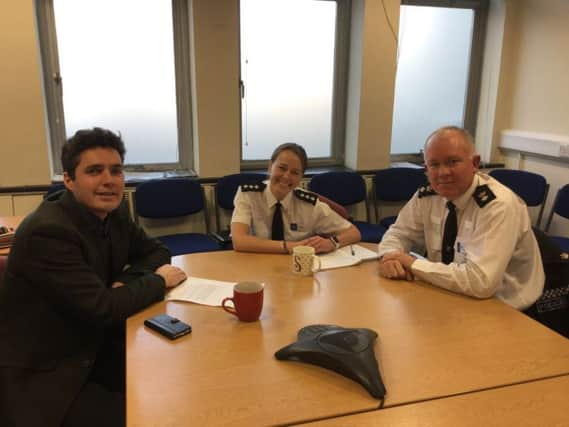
{"type": "Point", "coordinates": [346, 256]}
{"type": "Point", "coordinates": [201, 291]}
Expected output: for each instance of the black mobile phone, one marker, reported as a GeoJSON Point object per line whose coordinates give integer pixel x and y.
{"type": "Point", "coordinates": [168, 326]}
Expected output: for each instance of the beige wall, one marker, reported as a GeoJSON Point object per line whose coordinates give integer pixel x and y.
{"type": "Point", "coordinates": [534, 77]}
{"type": "Point", "coordinates": [371, 84]}
{"type": "Point", "coordinates": [540, 93]}
{"type": "Point", "coordinates": [216, 87]}
{"type": "Point", "coordinates": [533, 94]}
{"type": "Point", "coordinates": [23, 148]}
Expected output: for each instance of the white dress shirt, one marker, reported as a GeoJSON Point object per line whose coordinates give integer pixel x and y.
{"type": "Point", "coordinates": [496, 252]}
{"type": "Point", "coordinates": [303, 214]}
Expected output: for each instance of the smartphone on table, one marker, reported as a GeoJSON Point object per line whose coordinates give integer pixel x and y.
{"type": "Point", "coordinates": [168, 326]}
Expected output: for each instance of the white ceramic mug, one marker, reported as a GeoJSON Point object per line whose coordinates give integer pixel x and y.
{"type": "Point", "coordinates": [304, 260]}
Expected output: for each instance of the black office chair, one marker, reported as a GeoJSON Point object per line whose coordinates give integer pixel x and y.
{"type": "Point", "coordinates": [395, 185]}
{"type": "Point", "coordinates": [174, 199]}
{"type": "Point", "coordinates": [531, 187]}
{"type": "Point", "coordinates": [561, 208]}
{"type": "Point", "coordinates": [348, 188]}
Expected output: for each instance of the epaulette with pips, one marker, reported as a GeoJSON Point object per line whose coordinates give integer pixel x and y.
{"type": "Point", "coordinates": [306, 196]}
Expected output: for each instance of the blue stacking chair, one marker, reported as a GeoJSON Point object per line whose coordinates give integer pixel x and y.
{"type": "Point", "coordinates": [175, 198]}
{"type": "Point", "coordinates": [561, 208]}
{"type": "Point", "coordinates": [395, 185]}
{"type": "Point", "coordinates": [531, 187]}
{"type": "Point", "coordinates": [347, 189]}
{"type": "Point", "coordinates": [226, 188]}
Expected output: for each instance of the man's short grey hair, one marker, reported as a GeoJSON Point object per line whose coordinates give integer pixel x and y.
{"type": "Point", "coordinates": [466, 135]}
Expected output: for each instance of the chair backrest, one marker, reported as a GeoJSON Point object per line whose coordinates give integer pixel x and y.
{"type": "Point", "coordinates": [396, 185]}
{"type": "Point", "coordinates": [336, 207]}
{"type": "Point", "coordinates": [226, 188]}
{"type": "Point", "coordinates": [531, 187]}
{"type": "Point", "coordinates": [560, 206]}
{"type": "Point", "coordinates": [170, 198]}
{"type": "Point", "coordinates": [54, 188]}
{"type": "Point", "coordinates": [345, 187]}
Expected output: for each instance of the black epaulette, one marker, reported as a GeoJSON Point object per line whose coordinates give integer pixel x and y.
{"type": "Point", "coordinates": [306, 196]}
{"type": "Point", "coordinates": [483, 195]}
{"type": "Point", "coordinates": [260, 186]}
{"type": "Point", "coordinates": [425, 191]}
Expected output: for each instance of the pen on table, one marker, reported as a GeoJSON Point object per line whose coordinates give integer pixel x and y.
{"type": "Point", "coordinates": [352, 250]}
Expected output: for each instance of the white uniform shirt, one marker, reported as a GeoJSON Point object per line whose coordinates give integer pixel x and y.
{"type": "Point", "coordinates": [303, 214]}
{"type": "Point", "coordinates": [496, 252]}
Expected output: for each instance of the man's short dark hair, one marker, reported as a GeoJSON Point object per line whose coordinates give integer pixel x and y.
{"type": "Point", "coordinates": [86, 139]}
{"type": "Point", "coordinates": [296, 149]}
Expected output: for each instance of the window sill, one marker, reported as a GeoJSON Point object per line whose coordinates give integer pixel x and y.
{"type": "Point", "coordinates": [133, 178]}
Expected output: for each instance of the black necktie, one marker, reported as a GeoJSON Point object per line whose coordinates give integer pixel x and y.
{"type": "Point", "coordinates": [449, 235]}
{"type": "Point", "coordinates": [277, 231]}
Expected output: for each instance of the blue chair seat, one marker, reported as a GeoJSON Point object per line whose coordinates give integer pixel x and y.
{"type": "Point", "coordinates": [188, 243]}
{"type": "Point", "coordinates": [371, 233]}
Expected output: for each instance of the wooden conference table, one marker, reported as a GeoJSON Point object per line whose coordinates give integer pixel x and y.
{"type": "Point", "coordinates": [537, 403]}
{"type": "Point", "coordinates": [432, 344]}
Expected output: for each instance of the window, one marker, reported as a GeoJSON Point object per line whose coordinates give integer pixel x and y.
{"type": "Point", "coordinates": [293, 77]}
{"type": "Point", "coordinates": [438, 71]}
{"type": "Point", "coordinates": [114, 64]}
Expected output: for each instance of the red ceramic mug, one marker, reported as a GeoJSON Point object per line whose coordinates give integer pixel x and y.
{"type": "Point", "coordinates": [247, 301]}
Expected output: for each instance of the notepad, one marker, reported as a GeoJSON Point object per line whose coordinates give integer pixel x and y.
{"type": "Point", "coordinates": [343, 257]}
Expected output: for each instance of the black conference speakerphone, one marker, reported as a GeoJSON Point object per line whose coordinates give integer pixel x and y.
{"type": "Point", "coordinates": [346, 351]}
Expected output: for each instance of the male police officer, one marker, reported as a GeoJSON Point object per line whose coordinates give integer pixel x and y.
{"type": "Point", "coordinates": [476, 232]}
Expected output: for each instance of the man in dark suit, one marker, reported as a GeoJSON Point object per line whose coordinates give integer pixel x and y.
{"type": "Point", "coordinates": [78, 268]}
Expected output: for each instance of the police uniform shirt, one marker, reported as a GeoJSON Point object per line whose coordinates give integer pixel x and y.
{"type": "Point", "coordinates": [303, 214]}
{"type": "Point", "coordinates": [495, 252]}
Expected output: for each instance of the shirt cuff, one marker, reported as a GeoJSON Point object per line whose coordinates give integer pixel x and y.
{"type": "Point", "coordinates": [422, 266]}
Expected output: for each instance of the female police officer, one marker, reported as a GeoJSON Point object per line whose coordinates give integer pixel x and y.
{"type": "Point", "coordinates": [275, 216]}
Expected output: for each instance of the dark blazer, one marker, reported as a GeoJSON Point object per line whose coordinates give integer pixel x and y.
{"type": "Point", "coordinates": [56, 307]}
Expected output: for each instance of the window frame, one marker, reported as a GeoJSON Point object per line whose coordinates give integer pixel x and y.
{"type": "Point", "coordinates": [471, 105]}
{"type": "Point", "coordinates": [53, 94]}
{"type": "Point", "coordinates": [339, 95]}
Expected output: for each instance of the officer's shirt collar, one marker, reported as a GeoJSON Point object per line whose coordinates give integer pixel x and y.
{"type": "Point", "coordinates": [461, 201]}
{"type": "Point", "coordinates": [272, 200]}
